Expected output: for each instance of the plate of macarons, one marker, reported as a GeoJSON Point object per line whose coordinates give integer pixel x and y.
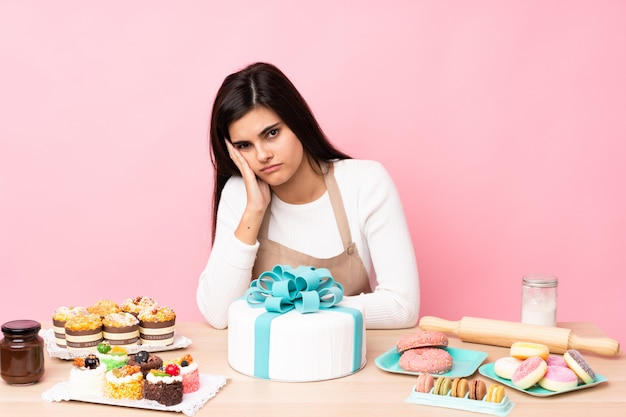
{"type": "Point", "coordinates": [532, 369]}
{"type": "Point", "coordinates": [427, 351]}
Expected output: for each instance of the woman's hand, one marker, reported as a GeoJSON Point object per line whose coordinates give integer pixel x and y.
{"type": "Point", "coordinates": [258, 198]}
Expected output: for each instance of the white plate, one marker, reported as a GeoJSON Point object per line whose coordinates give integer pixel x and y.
{"type": "Point", "coordinates": [56, 351]}
{"type": "Point", "coordinates": [192, 402]}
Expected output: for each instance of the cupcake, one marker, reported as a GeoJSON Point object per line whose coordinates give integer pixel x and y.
{"type": "Point", "coordinates": [189, 372]}
{"type": "Point", "coordinates": [59, 317]}
{"type": "Point", "coordinates": [120, 329]}
{"type": "Point", "coordinates": [87, 377]}
{"type": "Point", "coordinates": [146, 361]}
{"type": "Point", "coordinates": [156, 326]}
{"type": "Point", "coordinates": [103, 307]}
{"type": "Point", "coordinates": [83, 332]}
{"type": "Point", "coordinates": [112, 356]}
{"type": "Point", "coordinates": [125, 383]}
{"type": "Point", "coordinates": [165, 387]}
{"type": "Point", "coordinates": [136, 305]}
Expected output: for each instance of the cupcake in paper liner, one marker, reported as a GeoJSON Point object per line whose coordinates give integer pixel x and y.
{"type": "Point", "coordinates": [136, 305]}
{"type": "Point", "coordinates": [103, 307]}
{"type": "Point", "coordinates": [59, 317]}
{"type": "Point", "coordinates": [83, 333]}
{"type": "Point", "coordinates": [156, 326]}
{"type": "Point", "coordinates": [121, 329]}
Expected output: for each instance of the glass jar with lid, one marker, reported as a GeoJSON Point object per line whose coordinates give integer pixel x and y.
{"type": "Point", "coordinates": [539, 299]}
{"type": "Point", "coordinates": [21, 352]}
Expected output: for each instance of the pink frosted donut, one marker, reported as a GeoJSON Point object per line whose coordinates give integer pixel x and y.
{"type": "Point", "coordinates": [558, 378]}
{"type": "Point", "coordinates": [529, 372]}
{"type": "Point", "coordinates": [428, 359]}
{"type": "Point", "coordinates": [556, 360]}
{"type": "Point", "coordinates": [423, 338]}
{"type": "Point", "coordinates": [504, 367]}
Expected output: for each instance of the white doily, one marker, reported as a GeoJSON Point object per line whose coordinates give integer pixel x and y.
{"type": "Point", "coordinates": [55, 351]}
{"type": "Point", "coordinates": [192, 402]}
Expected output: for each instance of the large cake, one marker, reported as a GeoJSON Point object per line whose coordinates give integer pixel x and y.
{"type": "Point", "coordinates": [290, 326]}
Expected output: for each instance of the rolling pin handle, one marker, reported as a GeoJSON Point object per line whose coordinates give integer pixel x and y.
{"type": "Point", "coordinates": [602, 345]}
{"type": "Point", "coordinates": [440, 325]}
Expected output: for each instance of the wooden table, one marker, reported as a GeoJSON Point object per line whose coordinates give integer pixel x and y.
{"type": "Point", "coordinates": [369, 392]}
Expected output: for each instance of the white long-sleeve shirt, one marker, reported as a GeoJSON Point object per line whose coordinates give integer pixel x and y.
{"type": "Point", "coordinates": [378, 227]}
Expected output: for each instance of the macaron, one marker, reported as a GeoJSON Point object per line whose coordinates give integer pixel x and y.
{"type": "Point", "coordinates": [423, 338]}
{"type": "Point", "coordinates": [504, 367]}
{"type": "Point", "coordinates": [529, 372]}
{"type": "Point", "coordinates": [428, 359]}
{"type": "Point", "coordinates": [579, 365]}
{"type": "Point", "coordinates": [442, 386]}
{"type": "Point", "coordinates": [558, 378]}
{"type": "Point", "coordinates": [424, 383]}
{"type": "Point", "coordinates": [495, 393]}
{"type": "Point", "coordinates": [460, 388]}
{"type": "Point", "coordinates": [477, 389]}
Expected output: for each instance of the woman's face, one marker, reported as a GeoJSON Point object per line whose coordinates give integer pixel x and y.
{"type": "Point", "coordinates": [271, 149]}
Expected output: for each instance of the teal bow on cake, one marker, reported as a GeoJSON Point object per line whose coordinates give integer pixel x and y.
{"type": "Point", "coordinates": [305, 288]}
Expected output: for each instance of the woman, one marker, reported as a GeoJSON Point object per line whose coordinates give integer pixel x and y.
{"type": "Point", "coordinates": [285, 195]}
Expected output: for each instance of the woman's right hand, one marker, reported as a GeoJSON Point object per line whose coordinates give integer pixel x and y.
{"type": "Point", "coordinates": [257, 194]}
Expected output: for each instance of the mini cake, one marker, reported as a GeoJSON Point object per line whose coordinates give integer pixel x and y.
{"type": "Point", "coordinates": [165, 387]}
{"type": "Point", "coordinates": [87, 377]}
{"type": "Point", "coordinates": [112, 356]}
{"type": "Point", "coordinates": [83, 332]}
{"type": "Point", "coordinates": [120, 329]}
{"type": "Point", "coordinates": [103, 307]}
{"type": "Point", "coordinates": [59, 317]}
{"type": "Point", "coordinates": [156, 326]}
{"type": "Point", "coordinates": [136, 305]}
{"type": "Point", "coordinates": [124, 383]}
{"type": "Point", "coordinates": [146, 361]}
{"type": "Point", "coordinates": [189, 372]}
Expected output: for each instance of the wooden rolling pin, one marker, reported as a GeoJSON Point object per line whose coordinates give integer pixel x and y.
{"type": "Point", "coordinates": [505, 333]}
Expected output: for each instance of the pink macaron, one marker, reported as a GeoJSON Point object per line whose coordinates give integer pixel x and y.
{"type": "Point", "coordinates": [558, 378]}
{"type": "Point", "coordinates": [424, 383]}
{"type": "Point", "coordinates": [529, 372]}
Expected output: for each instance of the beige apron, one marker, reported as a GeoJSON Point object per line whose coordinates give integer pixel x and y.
{"type": "Point", "coordinates": [346, 268]}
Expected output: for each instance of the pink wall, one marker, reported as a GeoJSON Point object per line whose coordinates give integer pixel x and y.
{"type": "Point", "coordinates": [503, 124]}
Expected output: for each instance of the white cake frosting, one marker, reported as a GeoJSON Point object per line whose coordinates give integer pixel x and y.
{"type": "Point", "coordinates": [87, 382]}
{"type": "Point", "coordinates": [303, 347]}
{"type": "Point", "coordinates": [168, 379]}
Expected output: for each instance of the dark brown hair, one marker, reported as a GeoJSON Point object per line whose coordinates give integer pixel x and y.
{"type": "Point", "coordinates": [262, 84]}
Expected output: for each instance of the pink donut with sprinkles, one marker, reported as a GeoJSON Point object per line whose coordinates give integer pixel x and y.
{"type": "Point", "coordinates": [423, 338]}
{"type": "Point", "coordinates": [559, 378]}
{"type": "Point", "coordinates": [428, 359]}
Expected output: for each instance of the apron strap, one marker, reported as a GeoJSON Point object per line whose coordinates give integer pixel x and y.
{"type": "Point", "coordinates": [336, 202]}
